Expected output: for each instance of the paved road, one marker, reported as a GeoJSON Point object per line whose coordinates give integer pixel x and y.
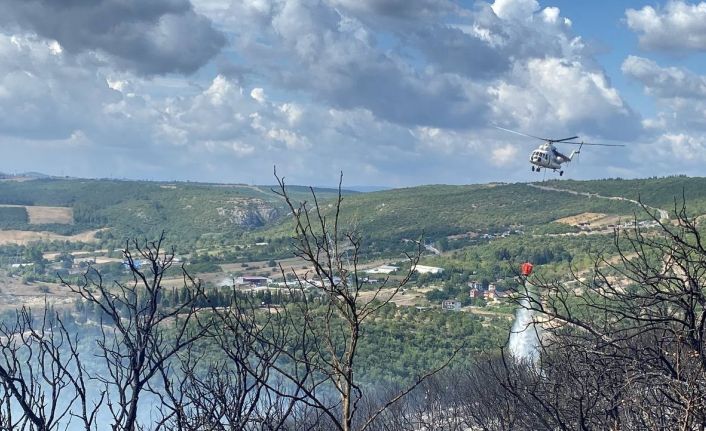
{"type": "Point", "coordinates": [663, 214]}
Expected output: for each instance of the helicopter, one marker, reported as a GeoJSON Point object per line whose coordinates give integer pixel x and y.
{"type": "Point", "coordinates": [547, 156]}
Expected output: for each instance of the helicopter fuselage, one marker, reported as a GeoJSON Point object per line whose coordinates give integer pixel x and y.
{"type": "Point", "coordinates": [548, 157]}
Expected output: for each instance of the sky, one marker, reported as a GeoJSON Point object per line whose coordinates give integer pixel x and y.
{"type": "Point", "coordinates": [390, 92]}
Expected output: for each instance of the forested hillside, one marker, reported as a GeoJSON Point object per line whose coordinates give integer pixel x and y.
{"type": "Point", "coordinates": [441, 210]}
{"type": "Point", "coordinates": [143, 209]}
{"type": "Point", "coordinates": [658, 192]}
{"type": "Point", "coordinates": [199, 215]}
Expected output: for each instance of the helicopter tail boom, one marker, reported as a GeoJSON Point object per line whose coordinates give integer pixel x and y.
{"type": "Point", "coordinates": [575, 152]}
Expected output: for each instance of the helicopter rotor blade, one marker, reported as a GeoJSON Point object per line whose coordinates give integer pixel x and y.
{"type": "Point", "coordinates": [526, 135]}
{"type": "Point", "coordinates": [597, 145]}
{"type": "Point", "coordinates": [535, 137]}
{"type": "Point", "coordinates": [555, 141]}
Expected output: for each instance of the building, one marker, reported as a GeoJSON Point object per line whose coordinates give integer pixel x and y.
{"type": "Point", "coordinates": [475, 285]}
{"type": "Point", "coordinates": [451, 305]}
{"type": "Point", "coordinates": [423, 269]}
{"type": "Point", "coordinates": [318, 282]}
{"type": "Point", "coordinates": [252, 281]}
{"type": "Point", "coordinates": [383, 269]}
{"type": "Point", "coordinates": [475, 293]}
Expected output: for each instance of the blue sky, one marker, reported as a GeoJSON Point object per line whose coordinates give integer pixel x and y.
{"type": "Point", "coordinates": [391, 92]}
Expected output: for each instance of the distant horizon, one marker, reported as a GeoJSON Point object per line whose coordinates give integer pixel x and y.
{"type": "Point", "coordinates": [354, 188]}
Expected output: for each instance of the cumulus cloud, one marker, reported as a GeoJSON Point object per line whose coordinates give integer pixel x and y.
{"type": "Point", "coordinates": [519, 10]}
{"type": "Point", "coordinates": [348, 72]}
{"type": "Point", "coordinates": [220, 112]}
{"type": "Point", "coordinates": [43, 94]}
{"type": "Point", "coordinates": [438, 75]}
{"type": "Point", "coordinates": [148, 37]}
{"type": "Point", "coordinates": [679, 94]}
{"type": "Point", "coordinates": [675, 138]}
{"type": "Point", "coordinates": [685, 147]}
{"type": "Point", "coordinates": [665, 82]}
{"type": "Point", "coordinates": [679, 26]}
{"type": "Point", "coordinates": [552, 91]}
{"type": "Point", "coordinates": [225, 117]}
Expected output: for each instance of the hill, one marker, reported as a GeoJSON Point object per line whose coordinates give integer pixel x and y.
{"type": "Point", "coordinates": [143, 209]}
{"type": "Point", "coordinates": [657, 192]}
{"type": "Point", "coordinates": [441, 211]}
{"type": "Point", "coordinates": [221, 215]}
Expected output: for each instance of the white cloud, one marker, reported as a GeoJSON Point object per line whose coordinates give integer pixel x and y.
{"type": "Point", "coordinates": [685, 147]}
{"type": "Point", "coordinates": [291, 139]}
{"type": "Point", "coordinates": [43, 94]}
{"type": "Point", "coordinates": [679, 26]}
{"type": "Point", "coordinates": [551, 15]}
{"type": "Point", "coordinates": [55, 47]}
{"type": "Point", "coordinates": [520, 10]}
{"type": "Point", "coordinates": [330, 50]}
{"type": "Point", "coordinates": [674, 139]}
{"type": "Point", "coordinates": [553, 91]}
{"type": "Point", "coordinates": [221, 91]}
{"type": "Point", "coordinates": [679, 95]}
{"type": "Point", "coordinates": [292, 111]}
{"type": "Point", "coordinates": [665, 82]}
{"type": "Point", "coordinates": [117, 84]}
{"type": "Point", "coordinates": [504, 154]}
{"type": "Point", "coordinates": [258, 94]}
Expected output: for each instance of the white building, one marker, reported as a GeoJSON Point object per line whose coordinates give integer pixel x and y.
{"type": "Point", "coordinates": [451, 305]}
{"type": "Point", "coordinates": [252, 281]}
{"type": "Point", "coordinates": [383, 269]}
{"type": "Point", "coordinates": [423, 269]}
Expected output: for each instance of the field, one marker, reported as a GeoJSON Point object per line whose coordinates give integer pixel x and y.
{"type": "Point", "coordinates": [14, 293]}
{"type": "Point", "coordinates": [46, 215]}
{"type": "Point", "coordinates": [592, 220]}
{"type": "Point", "coordinates": [405, 298]}
{"type": "Point", "coordinates": [23, 237]}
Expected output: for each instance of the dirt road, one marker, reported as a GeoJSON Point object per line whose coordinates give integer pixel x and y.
{"type": "Point", "coordinates": [663, 214]}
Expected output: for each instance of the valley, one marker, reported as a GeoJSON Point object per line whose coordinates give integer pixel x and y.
{"type": "Point", "coordinates": [222, 232]}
